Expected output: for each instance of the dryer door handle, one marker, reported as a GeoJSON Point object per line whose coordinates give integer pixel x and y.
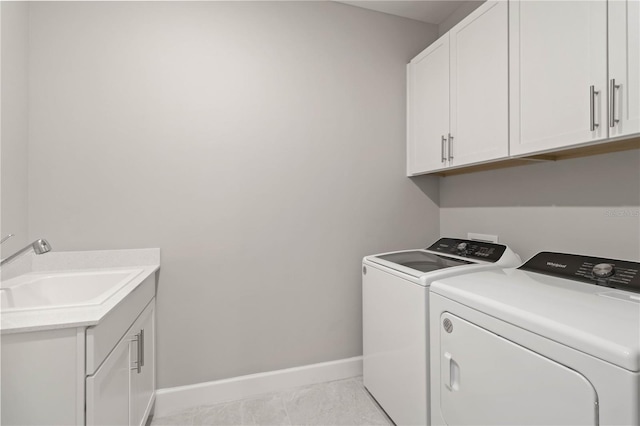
{"type": "Point", "coordinates": [452, 373]}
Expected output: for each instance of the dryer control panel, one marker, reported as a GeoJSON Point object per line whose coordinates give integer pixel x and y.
{"type": "Point", "coordinates": [480, 250]}
{"type": "Point", "coordinates": [621, 274]}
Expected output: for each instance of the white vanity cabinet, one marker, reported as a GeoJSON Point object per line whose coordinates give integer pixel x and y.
{"type": "Point", "coordinates": [121, 391]}
{"type": "Point", "coordinates": [108, 390]}
{"type": "Point", "coordinates": [143, 378]}
{"type": "Point", "coordinates": [458, 95]}
{"type": "Point", "coordinates": [100, 374]}
{"type": "Point", "coordinates": [558, 65]}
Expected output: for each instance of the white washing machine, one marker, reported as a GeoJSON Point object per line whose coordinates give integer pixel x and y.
{"type": "Point", "coordinates": [553, 342]}
{"type": "Point", "coordinates": [395, 291]}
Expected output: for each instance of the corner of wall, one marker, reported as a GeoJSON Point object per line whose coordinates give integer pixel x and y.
{"type": "Point", "coordinates": [14, 119]}
{"type": "Point", "coordinates": [458, 15]}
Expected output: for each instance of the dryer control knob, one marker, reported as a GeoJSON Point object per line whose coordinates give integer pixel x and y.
{"type": "Point", "coordinates": [603, 270]}
{"type": "Point", "coordinates": [462, 247]}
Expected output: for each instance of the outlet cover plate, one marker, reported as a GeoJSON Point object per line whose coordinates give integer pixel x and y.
{"type": "Point", "coordinates": [482, 237]}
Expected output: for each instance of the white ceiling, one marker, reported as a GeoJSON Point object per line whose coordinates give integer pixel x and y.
{"type": "Point", "coordinates": [431, 12]}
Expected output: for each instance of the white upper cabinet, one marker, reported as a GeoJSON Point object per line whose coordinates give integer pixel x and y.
{"type": "Point", "coordinates": [458, 95]}
{"type": "Point", "coordinates": [558, 66]}
{"type": "Point", "coordinates": [479, 86]}
{"type": "Point", "coordinates": [624, 67]}
{"type": "Point", "coordinates": [428, 108]}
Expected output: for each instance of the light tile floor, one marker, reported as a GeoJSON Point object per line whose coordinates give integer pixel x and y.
{"type": "Point", "coordinates": [343, 402]}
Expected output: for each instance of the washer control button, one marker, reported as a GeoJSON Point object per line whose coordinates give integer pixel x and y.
{"type": "Point", "coordinates": [462, 247]}
{"type": "Point", "coordinates": [603, 270]}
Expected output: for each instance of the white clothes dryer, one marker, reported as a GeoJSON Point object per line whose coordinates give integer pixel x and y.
{"type": "Point", "coordinates": [395, 291]}
{"type": "Point", "coordinates": [553, 342]}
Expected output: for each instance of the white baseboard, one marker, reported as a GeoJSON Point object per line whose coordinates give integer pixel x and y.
{"type": "Point", "coordinates": [169, 400]}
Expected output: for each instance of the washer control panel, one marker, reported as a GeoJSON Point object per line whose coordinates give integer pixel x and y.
{"type": "Point", "coordinates": [480, 250]}
{"type": "Point", "coordinates": [621, 274]}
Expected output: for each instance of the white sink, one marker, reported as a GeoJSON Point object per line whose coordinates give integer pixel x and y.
{"type": "Point", "coordinates": [53, 290]}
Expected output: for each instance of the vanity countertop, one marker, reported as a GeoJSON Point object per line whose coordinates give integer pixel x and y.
{"type": "Point", "coordinates": [146, 262]}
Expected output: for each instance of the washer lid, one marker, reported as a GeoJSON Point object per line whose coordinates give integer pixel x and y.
{"type": "Point", "coordinates": [419, 261]}
{"type": "Point", "coordinates": [599, 321]}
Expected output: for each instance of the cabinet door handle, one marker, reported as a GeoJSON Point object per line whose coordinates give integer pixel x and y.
{"type": "Point", "coordinates": [450, 147]}
{"type": "Point", "coordinates": [592, 107]}
{"type": "Point", "coordinates": [137, 365]}
{"type": "Point", "coordinates": [612, 97]}
{"type": "Point", "coordinates": [141, 346]}
{"type": "Point", "coordinates": [444, 141]}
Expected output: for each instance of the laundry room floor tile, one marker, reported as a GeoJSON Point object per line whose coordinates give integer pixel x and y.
{"type": "Point", "coordinates": [343, 402]}
{"type": "Point", "coordinates": [180, 418]}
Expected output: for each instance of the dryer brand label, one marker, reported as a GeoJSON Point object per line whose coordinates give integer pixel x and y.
{"type": "Point", "coordinates": [556, 265]}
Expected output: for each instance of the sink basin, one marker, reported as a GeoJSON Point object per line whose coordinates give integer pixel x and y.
{"type": "Point", "coordinates": [54, 290]}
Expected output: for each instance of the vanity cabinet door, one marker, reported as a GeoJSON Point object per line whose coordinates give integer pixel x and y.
{"type": "Point", "coordinates": [624, 67]}
{"type": "Point", "coordinates": [108, 390]}
{"type": "Point", "coordinates": [558, 74]}
{"type": "Point", "coordinates": [122, 390]}
{"type": "Point", "coordinates": [143, 379]}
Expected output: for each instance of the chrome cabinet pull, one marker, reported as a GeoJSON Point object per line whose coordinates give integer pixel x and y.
{"type": "Point", "coordinates": [450, 147]}
{"type": "Point", "coordinates": [612, 97]}
{"type": "Point", "coordinates": [444, 141]}
{"type": "Point", "coordinates": [142, 348]}
{"type": "Point", "coordinates": [137, 364]}
{"type": "Point", "coordinates": [592, 107]}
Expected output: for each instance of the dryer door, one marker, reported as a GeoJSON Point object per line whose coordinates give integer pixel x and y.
{"type": "Point", "coordinates": [486, 379]}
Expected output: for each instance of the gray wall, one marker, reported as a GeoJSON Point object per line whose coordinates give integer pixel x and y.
{"type": "Point", "coordinates": [260, 145]}
{"type": "Point", "coordinates": [14, 123]}
{"type": "Point", "coordinates": [587, 205]}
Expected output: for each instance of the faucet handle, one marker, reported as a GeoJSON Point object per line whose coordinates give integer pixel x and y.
{"type": "Point", "coordinates": [6, 238]}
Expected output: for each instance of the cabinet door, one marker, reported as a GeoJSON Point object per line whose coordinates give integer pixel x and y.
{"type": "Point", "coordinates": [428, 108]}
{"type": "Point", "coordinates": [557, 52]}
{"type": "Point", "coordinates": [480, 86]}
{"type": "Point", "coordinates": [143, 379]}
{"type": "Point", "coordinates": [624, 67]}
{"type": "Point", "coordinates": [108, 389]}
{"type": "Point", "coordinates": [488, 380]}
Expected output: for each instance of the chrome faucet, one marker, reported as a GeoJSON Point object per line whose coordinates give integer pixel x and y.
{"type": "Point", "coordinates": [39, 247]}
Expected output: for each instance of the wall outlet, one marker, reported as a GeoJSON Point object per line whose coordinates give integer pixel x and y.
{"type": "Point", "coordinates": [482, 237]}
